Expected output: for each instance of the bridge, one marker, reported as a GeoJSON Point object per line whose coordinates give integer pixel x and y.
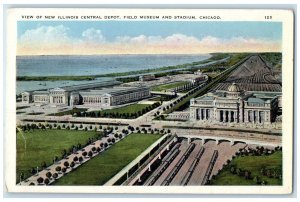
{"type": "Point", "coordinates": [247, 137]}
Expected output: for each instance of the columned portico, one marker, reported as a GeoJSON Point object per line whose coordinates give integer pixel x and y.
{"type": "Point", "coordinates": [234, 106]}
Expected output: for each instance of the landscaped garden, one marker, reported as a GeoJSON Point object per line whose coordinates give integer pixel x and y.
{"type": "Point", "coordinates": [38, 148]}
{"type": "Point", "coordinates": [101, 168]}
{"type": "Point", "coordinates": [255, 167]}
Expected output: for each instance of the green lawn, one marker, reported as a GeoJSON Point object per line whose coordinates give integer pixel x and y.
{"type": "Point", "coordinates": [169, 86]}
{"type": "Point", "coordinates": [134, 108]}
{"type": "Point", "coordinates": [254, 165]}
{"type": "Point", "coordinates": [69, 112]}
{"type": "Point", "coordinates": [101, 168]}
{"type": "Point", "coordinates": [127, 112]}
{"type": "Point", "coordinates": [44, 145]}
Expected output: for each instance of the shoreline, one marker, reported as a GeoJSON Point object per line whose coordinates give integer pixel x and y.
{"type": "Point", "coordinates": [214, 57]}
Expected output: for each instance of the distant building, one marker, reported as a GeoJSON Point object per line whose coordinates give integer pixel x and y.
{"type": "Point", "coordinates": [102, 98]}
{"type": "Point", "coordinates": [235, 106]}
{"type": "Point", "coordinates": [198, 72]}
{"type": "Point", "coordinates": [26, 97]}
{"type": "Point", "coordinates": [148, 77]}
{"type": "Point", "coordinates": [114, 96]}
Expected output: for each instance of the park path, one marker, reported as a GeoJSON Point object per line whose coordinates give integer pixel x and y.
{"type": "Point", "coordinates": [69, 159]}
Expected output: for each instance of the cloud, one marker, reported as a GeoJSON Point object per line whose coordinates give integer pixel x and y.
{"type": "Point", "coordinates": [93, 35]}
{"type": "Point", "coordinates": [57, 40]}
{"type": "Point", "coordinates": [46, 36]}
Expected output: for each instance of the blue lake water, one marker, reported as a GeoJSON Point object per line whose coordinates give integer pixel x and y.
{"type": "Point", "coordinates": [90, 65]}
{"type": "Point", "coordinates": [97, 64]}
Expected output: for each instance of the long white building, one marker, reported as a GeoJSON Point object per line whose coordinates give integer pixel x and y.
{"type": "Point", "coordinates": [114, 96]}
{"type": "Point", "coordinates": [97, 94]}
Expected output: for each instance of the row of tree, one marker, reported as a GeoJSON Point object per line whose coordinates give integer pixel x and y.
{"type": "Point", "coordinates": [76, 160]}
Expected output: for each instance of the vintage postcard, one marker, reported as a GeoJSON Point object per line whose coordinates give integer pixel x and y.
{"type": "Point", "coordinates": [149, 101]}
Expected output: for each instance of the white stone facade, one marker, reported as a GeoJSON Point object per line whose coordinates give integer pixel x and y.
{"type": "Point", "coordinates": [114, 96]}
{"type": "Point", "coordinates": [234, 106]}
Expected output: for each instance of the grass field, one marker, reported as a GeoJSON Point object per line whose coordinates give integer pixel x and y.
{"type": "Point", "coordinates": [134, 108]}
{"type": "Point", "coordinates": [168, 86]}
{"type": "Point", "coordinates": [254, 165]}
{"type": "Point", "coordinates": [44, 145]}
{"type": "Point", "coordinates": [101, 168]}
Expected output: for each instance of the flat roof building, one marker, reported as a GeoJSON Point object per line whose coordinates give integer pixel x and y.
{"type": "Point", "coordinates": [114, 96]}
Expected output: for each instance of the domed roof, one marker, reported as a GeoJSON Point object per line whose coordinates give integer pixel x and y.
{"type": "Point", "coordinates": [233, 88]}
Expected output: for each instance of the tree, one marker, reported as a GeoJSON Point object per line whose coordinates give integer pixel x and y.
{"type": "Point", "coordinates": [120, 136]}
{"type": "Point", "coordinates": [40, 180]}
{"type": "Point", "coordinates": [64, 170]}
{"type": "Point", "coordinates": [98, 149]}
{"type": "Point", "coordinates": [90, 154]}
{"type": "Point", "coordinates": [84, 153]}
{"type": "Point", "coordinates": [68, 128]}
{"type": "Point", "coordinates": [93, 149]}
{"type": "Point", "coordinates": [85, 129]}
{"type": "Point", "coordinates": [55, 175]}
{"type": "Point", "coordinates": [75, 158]}
{"type": "Point", "coordinates": [49, 174]}
{"type": "Point", "coordinates": [58, 169]}
{"type": "Point", "coordinates": [76, 128]}
{"type": "Point", "coordinates": [105, 144]}
{"type": "Point", "coordinates": [66, 163]}
{"type": "Point", "coordinates": [31, 184]}
{"type": "Point", "coordinates": [72, 164]}
{"type": "Point", "coordinates": [58, 127]}
{"type": "Point", "coordinates": [47, 181]}
{"type": "Point", "coordinates": [80, 159]}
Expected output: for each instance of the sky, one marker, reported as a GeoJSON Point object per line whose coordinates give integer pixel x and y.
{"type": "Point", "coordinates": [146, 37]}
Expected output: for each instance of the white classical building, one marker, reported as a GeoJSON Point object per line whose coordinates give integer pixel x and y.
{"type": "Point", "coordinates": [114, 96]}
{"type": "Point", "coordinates": [67, 95]}
{"type": "Point", "coordinates": [104, 97]}
{"type": "Point", "coordinates": [235, 106]}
